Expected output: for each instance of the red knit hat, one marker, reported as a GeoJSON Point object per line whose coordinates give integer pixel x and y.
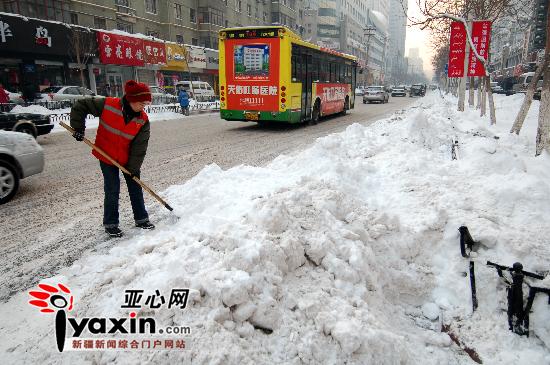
{"type": "Point", "coordinates": [137, 91]}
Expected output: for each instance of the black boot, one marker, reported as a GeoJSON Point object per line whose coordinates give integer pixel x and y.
{"type": "Point", "coordinates": [145, 225]}
{"type": "Point", "coordinates": [114, 232]}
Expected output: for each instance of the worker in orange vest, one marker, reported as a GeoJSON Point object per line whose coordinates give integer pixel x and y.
{"type": "Point", "coordinates": [123, 133]}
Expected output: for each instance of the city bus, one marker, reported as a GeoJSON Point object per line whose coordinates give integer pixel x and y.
{"type": "Point", "coordinates": [269, 74]}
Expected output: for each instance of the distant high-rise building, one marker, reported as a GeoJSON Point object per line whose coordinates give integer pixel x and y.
{"type": "Point", "coordinates": [397, 32]}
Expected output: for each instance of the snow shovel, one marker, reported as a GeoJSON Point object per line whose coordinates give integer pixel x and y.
{"type": "Point", "coordinates": [104, 154]}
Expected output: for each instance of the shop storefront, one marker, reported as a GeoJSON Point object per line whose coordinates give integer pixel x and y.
{"type": "Point", "coordinates": [196, 59]}
{"type": "Point", "coordinates": [123, 58]}
{"type": "Point", "coordinates": [175, 69]}
{"type": "Point", "coordinates": [36, 54]}
{"type": "Point", "coordinates": [212, 68]}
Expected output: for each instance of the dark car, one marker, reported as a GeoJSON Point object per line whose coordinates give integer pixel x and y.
{"type": "Point", "coordinates": [33, 124]}
{"type": "Point", "coordinates": [417, 90]}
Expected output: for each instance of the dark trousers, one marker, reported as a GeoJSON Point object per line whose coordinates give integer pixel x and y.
{"type": "Point", "coordinates": [111, 187]}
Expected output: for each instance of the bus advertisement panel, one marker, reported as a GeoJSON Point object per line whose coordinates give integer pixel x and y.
{"type": "Point", "coordinates": [332, 96]}
{"type": "Point", "coordinates": [252, 74]}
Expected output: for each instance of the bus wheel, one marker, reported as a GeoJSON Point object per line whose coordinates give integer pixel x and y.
{"type": "Point", "coordinates": [315, 113]}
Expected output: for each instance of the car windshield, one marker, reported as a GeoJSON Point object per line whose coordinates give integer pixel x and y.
{"type": "Point", "coordinates": [52, 89]}
{"type": "Point", "coordinates": [416, 86]}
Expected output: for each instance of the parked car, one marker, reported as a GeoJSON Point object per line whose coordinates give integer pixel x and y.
{"type": "Point", "coordinates": [20, 157]}
{"type": "Point", "coordinates": [161, 96]}
{"type": "Point", "coordinates": [417, 90]}
{"type": "Point", "coordinates": [198, 90]}
{"type": "Point", "coordinates": [523, 82]}
{"type": "Point", "coordinates": [398, 91]}
{"type": "Point", "coordinates": [59, 93]}
{"type": "Point", "coordinates": [376, 93]}
{"type": "Point", "coordinates": [15, 98]}
{"type": "Point", "coordinates": [29, 123]}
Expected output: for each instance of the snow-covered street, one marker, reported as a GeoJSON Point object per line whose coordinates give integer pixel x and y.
{"type": "Point", "coordinates": [346, 252]}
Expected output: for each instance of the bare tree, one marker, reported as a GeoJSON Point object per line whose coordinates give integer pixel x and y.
{"type": "Point", "coordinates": [81, 48]}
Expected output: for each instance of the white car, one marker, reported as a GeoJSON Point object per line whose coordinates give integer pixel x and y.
{"type": "Point", "coordinates": [161, 96]}
{"type": "Point", "coordinates": [20, 157]}
{"type": "Point", "coordinates": [359, 91]}
{"type": "Point", "coordinates": [376, 93]}
{"type": "Point", "coordinates": [60, 93]}
{"type": "Point", "coordinates": [198, 90]}
{"type": "Point", "coordinates": [15, 98]}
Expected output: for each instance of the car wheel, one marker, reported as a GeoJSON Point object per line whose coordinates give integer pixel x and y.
{"type": "Point", "coordinates": [9, 182]}
{"type": "Point", "coordinates": [346, 106]}
{"type": "Point", "coordinates": [27, 128]}
{"type": "Point", "coordinates": [364, 101]}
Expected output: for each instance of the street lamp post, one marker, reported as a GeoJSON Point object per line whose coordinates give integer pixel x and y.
{"type": "Point", "coordinates": [368, 32]}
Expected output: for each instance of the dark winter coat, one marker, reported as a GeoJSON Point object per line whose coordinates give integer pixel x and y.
{"type": "Point", "coordinates": [94, 106]}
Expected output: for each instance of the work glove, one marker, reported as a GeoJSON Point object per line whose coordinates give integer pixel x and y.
{"type": "Point", "coordinates": [79, 135]}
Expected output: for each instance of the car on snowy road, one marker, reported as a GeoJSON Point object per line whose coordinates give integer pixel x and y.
{"type": "Point", "coordinates": [61, 93]}
{"type": "Point", "coordinates": [376, 93]}
{"type": "Point", "coordinates": [20, 157]}
{"type": "Point", "coordinates": [399, 91]}
{"type": "Point", "coordinates": [29, 123]}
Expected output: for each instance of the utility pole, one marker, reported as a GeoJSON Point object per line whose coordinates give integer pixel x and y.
{"type": "Point", "coordinates": [369, 31]}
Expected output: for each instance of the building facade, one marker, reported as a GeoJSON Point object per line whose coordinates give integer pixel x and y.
{"type": "Point", "coordinates": [395, 62]}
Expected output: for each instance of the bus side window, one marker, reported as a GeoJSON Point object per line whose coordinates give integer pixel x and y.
{"type": "Point", "coordinates": [294, 74]}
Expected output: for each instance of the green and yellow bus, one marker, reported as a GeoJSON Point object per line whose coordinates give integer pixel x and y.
{"type": "Point", "coordinates": [269, 74]}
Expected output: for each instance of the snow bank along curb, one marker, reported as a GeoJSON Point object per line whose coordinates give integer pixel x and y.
{"type": "Point", "coordinates": [346, 252]}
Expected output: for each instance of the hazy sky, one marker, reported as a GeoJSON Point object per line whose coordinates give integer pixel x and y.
{"type": "Point", "coordinates": [417, 38]}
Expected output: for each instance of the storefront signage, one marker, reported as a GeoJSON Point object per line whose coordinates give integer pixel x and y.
{"type": "Point", "coordinates": [115, 49]}
{"type": "Point", "coordinates": [196, 57]}
{"type": "Point", "coordinates": [481, 35]}
{"type": "Point", "coordinates": [212, 59]}
{"type": "Point", "coordinates": [37, 37]}
{"type": "Point", "coordinates": [175, 57]}
{"type": "Point", "coordinates": [154, 53]}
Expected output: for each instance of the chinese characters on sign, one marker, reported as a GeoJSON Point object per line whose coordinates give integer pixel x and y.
{"type": "Point", "coordinates": [457, 50]}
{"type": "Point", "coordinates": [5, 31]}
{"type": "Point", "coordinates": [332, 96]}
{"type": "Point", "coordinates": [178, 299]}
{"type": "Point", "coordinates": [481, 35]}
{"type": "Point", "coordinates": [251, 90]}
{"type": "Point", "coordinates": [122, 50]}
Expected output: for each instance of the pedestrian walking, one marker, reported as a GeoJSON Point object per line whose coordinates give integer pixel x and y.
{"type": "Point", "coordinates": [183, 99]}
{"type": "Point", "coordinates": [123, 133]}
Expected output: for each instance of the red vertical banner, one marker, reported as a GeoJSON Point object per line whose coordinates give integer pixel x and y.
{"type": "Point", "coordinates": [457, 50]}
{"type": "Point", "coordinates": [481, 36]}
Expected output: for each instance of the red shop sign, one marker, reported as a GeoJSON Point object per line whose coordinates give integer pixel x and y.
{"type": "Point", "coordinates": [481, 36]}
{"type": "Point", "coordinates": [117, 49]}
{"type": "Point", "coordinates": [154, 52]}
{"type": "Point", "coordinates": [457, 50]}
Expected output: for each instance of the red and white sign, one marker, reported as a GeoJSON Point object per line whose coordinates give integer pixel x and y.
{"type": "Point", "coordinates": [457, 50]}
{"type": "Point", "coordinates": [332, 97]}
{"type": "Point", "coordinates": [154, 53]}
{"type": "Point", "coordinates": [259, 93]}
{"type": "Point", "coordinates": [117, 49]}
{"type": "Point", "coordinates": [481, 36]}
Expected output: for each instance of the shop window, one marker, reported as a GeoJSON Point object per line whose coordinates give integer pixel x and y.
{"type": "Point", "coordinates": [178, 11]}
{"type": "Point", "coordinates": [74, 18]}
{"type": "Point", "coordinates": [151, 6]}
{"type": "Point", "coordinates": [100, 23]}
{"type": "Point", "coordinates": [126, 27]}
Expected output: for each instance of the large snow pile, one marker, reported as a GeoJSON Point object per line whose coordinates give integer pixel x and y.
{"type": "Point", "coordinates": [34, 109]}
{"type": "Point", "coordinates": [346, 252]}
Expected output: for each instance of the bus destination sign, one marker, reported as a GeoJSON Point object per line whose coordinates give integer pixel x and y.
{"type": "Point", "coordinates": [252, 33]}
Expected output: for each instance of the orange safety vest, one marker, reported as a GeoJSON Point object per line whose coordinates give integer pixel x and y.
{"type": "Point", "coordinates": [113, 135]}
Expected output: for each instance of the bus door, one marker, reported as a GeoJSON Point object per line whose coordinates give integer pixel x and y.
{"type": "Point", "coordinates": [307, 80]}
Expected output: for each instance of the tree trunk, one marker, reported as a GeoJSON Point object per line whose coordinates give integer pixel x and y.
{"type": "Point", "coordinates": [479, 91]}
{"type": "Point", "coordinates": [462, 85]}
{"type": "Point", "coordinates": [520, 118]}
{"type": "Point", "coordinates": [491, 101]}
{"type": "Point", "coordinates": [471, 91]}
{"type": "Point", "coordinates": [483, 83]}
{"type": "Point", "coordinates": [543, 130]}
